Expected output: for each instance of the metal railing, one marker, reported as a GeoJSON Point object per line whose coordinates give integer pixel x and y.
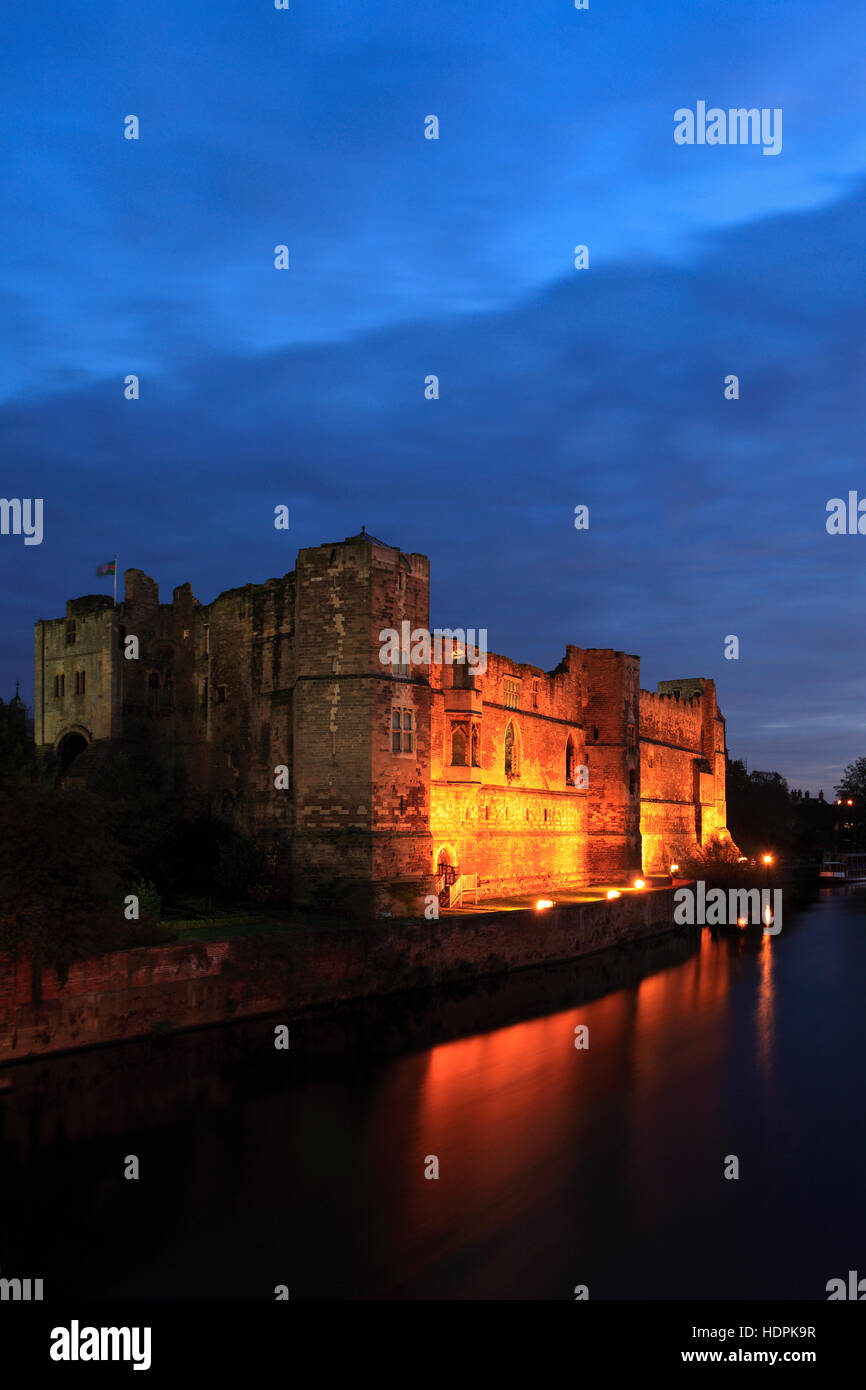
{"type": "Point", "coordinates": [465, 884]}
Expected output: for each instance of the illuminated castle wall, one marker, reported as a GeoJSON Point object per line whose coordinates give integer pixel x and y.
{"type": "Point", "coordinates": [391, 776]}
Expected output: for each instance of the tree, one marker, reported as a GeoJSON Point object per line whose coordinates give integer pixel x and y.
{"type": "Point", "coordinates": [853, 783]}
{"type": "Point", "coordinates": [760, 816]}
{"type": "Point", "coordinates": [18, 761]}
{"type": "Point", "coordinates": [851, 820]}
{"type": "Point", "coordinates": [62, 879]}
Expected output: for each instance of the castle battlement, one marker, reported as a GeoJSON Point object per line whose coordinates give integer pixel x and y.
{"type": "Point", "coordinates": [372, 783]}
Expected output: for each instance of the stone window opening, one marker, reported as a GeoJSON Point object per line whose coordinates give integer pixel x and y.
{"type": "Point", "coordinates": [401, 668]}
{"type": "Point", "coordinates": [79, 682]}
{"type": "Point", "coordinates": [535, 694]}
{"type": "Point", "coordinates": [510, 693]}
{"type": "Point", "coordinates": [475, 742]}
{"type": "Point", "coordinates": [71, 632]}
{"type": "Point", "coordinates": [402, 730]}
{"type": "Point", "coordinates": [206, 639]}
{"type": "Point", "coordinates": [630, 735]}
{"type": "Point", "coordinates": [570, 762]}
{"type": "Point", "coordinates": [59, 687]}
{"type": "Point", "coordinates": [221, 694]}
{"type": "Point", "coordinates": [632, 780]}
{"type": "Point", "coordinates": [458, 745]}
{"type": "Point", "coordinates": [512, 752]}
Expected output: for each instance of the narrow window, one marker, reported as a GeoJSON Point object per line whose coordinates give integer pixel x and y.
{"type": "Point", "coordinates": [59, 687]}
{"type": "Point", "coordinates": [79, 682]}
{"type": "Point", "coordinates": [511, 693]}
{"type": "Point", "coordinates": [512, 760]}
{"type": "Point", "coordinates": [631, 782]}
{"type": "Point", "coordinates": [630, 735]}
{"type": "Point", "coordinates": [458, 745]}
{"type": "Point", "coordinates": [402, 730]}
{"type": "Point", "coordinates": [70, 632]}
{"type": "Point", "coordinates": [476, 746]}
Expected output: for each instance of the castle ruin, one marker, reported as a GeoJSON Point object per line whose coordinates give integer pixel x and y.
{"type": "Point", "coordinates": [372, 785]}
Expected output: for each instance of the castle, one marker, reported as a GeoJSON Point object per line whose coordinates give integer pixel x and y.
{"type": "Point", "coordinates": [373, 785]}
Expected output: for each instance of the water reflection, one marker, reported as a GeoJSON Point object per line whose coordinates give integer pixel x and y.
{"type": "Point", "coordinates": [557, 1165]}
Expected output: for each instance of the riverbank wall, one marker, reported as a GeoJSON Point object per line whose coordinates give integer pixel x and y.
{"type": "Point", "coordinates": [158, 990]}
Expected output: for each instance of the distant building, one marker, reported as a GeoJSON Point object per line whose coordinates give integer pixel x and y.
{"type": "Point", "coordinates": [396, 776]}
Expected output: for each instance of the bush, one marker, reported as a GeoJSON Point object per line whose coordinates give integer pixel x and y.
{"type": "Point", "coordinates": [149, 900]}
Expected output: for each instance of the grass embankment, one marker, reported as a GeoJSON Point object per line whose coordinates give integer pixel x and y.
{"type": "Point", "coordinates": [200, 919]}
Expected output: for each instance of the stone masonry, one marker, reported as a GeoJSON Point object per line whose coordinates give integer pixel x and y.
{"type": "Point", "coordinates": [370, 785]}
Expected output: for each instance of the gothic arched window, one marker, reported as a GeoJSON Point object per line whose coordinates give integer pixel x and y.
{"type": "Point", "coordinates": [458, 746]}
{"type": "Point", "coordinates": [512, 755]}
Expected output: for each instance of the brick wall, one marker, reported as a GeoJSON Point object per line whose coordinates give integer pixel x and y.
{"type": "Point", "coordinates": [132, 993]}
{"type": "Point", "coordinates": [288, 673]}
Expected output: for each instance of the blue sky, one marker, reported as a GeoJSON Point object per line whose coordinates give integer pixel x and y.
{"type": "Point", "coordinates": [454, 256]}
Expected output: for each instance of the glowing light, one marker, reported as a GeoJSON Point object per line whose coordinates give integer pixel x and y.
{"type": "Point", "coordinates": [766, 858]}
{"type": "Point", "coordinates": [675, 868]}
{"type": "Point", "coordinates": [768, 916]}
{"type": "Point", "coordinates": [639, 883]}
{"type": "Point", "coordinates": [849, 803]}
{"type": "Point", "coordinates": [743, 859]}
{"type": "Point", "coordinates": [742, 921]}
{"type": "Point", "coordinates": [542, 903]}
{"type": "Point", "coordinates": [613, 893]}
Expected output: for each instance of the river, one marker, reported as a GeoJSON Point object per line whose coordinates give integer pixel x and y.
{"type": "Point", "coordinates": [558, 1166]}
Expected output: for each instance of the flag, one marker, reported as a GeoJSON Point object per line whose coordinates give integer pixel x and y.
{"type": "Point", "coordinates": [110, 567]}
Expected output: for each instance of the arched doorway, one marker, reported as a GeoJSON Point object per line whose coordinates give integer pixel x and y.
{"type": "Point", "coordinates": [68, 750]}
{"type": "Point", "coordinates": [446, 870]}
